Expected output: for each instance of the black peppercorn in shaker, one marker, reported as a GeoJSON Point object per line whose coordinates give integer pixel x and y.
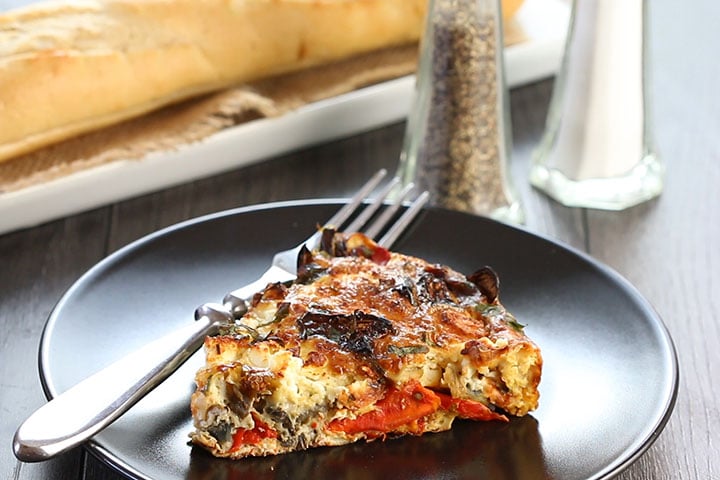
{"type": "Point", "coordinates": [457, 141]}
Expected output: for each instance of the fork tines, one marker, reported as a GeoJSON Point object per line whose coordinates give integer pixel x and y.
{"type": "Point", "coordinates": [372, 220]}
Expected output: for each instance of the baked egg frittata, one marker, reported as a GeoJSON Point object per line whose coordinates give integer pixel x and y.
{"type": "Point", "coordinates": [365, 344]}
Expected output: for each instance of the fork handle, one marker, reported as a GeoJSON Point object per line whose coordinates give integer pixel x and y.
{"type": "Point", "coordinates": [88, 407]}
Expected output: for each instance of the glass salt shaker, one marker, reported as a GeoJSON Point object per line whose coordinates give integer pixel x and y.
{"type": "Point", "coordinates": [596, 150]}
{"type": "Point", "coordinates": [458, 139]}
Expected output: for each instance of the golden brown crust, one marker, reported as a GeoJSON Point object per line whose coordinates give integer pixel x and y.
{"type": "Point", "coordinates": [366, 343]}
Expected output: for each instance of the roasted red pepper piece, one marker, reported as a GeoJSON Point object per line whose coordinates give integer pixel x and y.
{"type": "Point", "coordinates": [380, 255]}
{"type": "Point", "coordinates": [398, 408]}
{"type": "Point", "coordinates": [252, 436]}
{"type": "Point", "coordinates": [469, 409]}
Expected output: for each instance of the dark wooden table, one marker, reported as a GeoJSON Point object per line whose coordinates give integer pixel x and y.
{"type": "Point", "coordinates": [669, 248]}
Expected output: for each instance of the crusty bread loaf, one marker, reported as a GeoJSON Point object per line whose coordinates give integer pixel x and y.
{"type": "Point", "coordinates": [69, 67]}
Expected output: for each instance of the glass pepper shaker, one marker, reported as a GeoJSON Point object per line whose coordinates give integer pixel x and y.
{"type": "Point", "coordinates": [458, 139]}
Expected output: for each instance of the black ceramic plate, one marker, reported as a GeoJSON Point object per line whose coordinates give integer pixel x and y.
{"type": "Point", "coordinates": [609, 379]}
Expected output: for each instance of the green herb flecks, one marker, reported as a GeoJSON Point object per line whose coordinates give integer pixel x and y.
{"type": "Point", "coordinates": [407, 350]}
{"type": "Point", "coordinates": [496, 312]}
{"type": "Point", "coordinates": [487, 310]}
{"type": "Point", "coordinates": [514, 324]}
{"type": "Point", "coordinates": [280, 313]}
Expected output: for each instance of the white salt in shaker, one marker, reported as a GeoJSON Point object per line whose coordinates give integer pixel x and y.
{"type": "Point", "coordinates": [596, 151]}
{"type": "Point", "coordinates": [458, 139]}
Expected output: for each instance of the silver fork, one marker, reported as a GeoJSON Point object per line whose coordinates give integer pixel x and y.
{"type": "Point", "coordinates": [88, 407]}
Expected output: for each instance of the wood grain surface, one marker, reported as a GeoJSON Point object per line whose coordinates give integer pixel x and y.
{"type": "Point", "coordinates": [668, 248]}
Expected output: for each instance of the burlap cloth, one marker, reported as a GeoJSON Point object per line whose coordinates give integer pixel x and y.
{"type": "Point", "coordinates": [197, 119]}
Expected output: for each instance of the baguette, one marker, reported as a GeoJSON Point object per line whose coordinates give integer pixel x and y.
{"type": "Point", "coordinates": [70, 67]}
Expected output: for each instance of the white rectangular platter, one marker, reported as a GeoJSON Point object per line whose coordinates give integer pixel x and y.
{"type": "Point", "coordinates": [544, 22]}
